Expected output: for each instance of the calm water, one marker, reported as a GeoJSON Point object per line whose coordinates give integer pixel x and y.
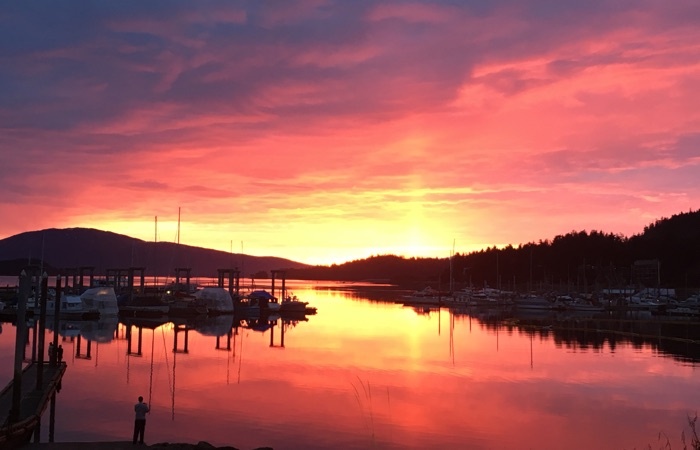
{"type": "Point", "coordinates": [365, 373]}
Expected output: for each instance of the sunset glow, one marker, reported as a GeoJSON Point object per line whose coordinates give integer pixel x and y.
{"type": "Point", "coordinates": [327, 131]}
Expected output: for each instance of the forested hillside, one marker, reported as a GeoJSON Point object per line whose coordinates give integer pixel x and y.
{"type": "Point", "coordinates": [578, 260]}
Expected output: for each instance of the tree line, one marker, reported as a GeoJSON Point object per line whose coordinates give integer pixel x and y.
{"type": "Point", "coordinates": [665, 254]}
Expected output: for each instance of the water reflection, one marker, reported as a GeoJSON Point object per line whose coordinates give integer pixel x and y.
{"type": "Point", "coordinates": [370, 373]}
{"type": "Point", "coordinates": [674, 337]}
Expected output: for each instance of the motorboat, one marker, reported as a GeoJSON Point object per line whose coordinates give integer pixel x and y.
{"type": "Point", "coordinates": [292, 304]}
{"type": "Point", "coordinates": [265, 300]}
{"type": "Point", "coordinates": [71, 307]}
{"type": "Point", "coordinates": [427, 295]}
{"type": "Point", "coordinates": [246, 306]}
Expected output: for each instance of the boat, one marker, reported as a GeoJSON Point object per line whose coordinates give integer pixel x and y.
{"type": "Point", "coordinates": [103, 299]}
{"type": "Point", "coordinates": [536, 302]}
{"type": "Point", "coordinates": [217, 300]}
{"type": "Point", "coordinates": [265, 300]}
{"type": "Point", "coordinates": [142, 306]}
{"type": "Point", "coordinates": [683, 311]}
{"type": "Point", "coordinates": [186, 307]}
{"type": "Point", "coordinates": [427, 296]}
{"type": "Point", "coordinates": [71, 307]}
{"type": "Point", "coordinates": [246, 306]}
{"type": "Point", "coordinates": [292, 304]}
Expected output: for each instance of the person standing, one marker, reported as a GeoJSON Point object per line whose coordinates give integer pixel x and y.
{"type": "Point", "coordinates": [141, 409]}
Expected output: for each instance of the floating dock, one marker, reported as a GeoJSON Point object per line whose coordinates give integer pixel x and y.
{"type": "Point", "coordinates": [34, 401]}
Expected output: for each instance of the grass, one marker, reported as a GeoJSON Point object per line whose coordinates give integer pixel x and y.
{"type": "Point", "coordinates": [693, 444]}
{"type": "Point", "coordinates": [366, 396]}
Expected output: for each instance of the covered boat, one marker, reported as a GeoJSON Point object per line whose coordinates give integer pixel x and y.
{"type": "Point", "coordinates": [103, 299]}
{"type": "Point", "coordinates": [217, 300]}
{"type": "Point", "coordinates": [265, 300]}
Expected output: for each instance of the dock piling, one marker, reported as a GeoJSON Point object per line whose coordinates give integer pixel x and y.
{"type": "Point", "coordinates": [19, 345]}
{"type": "Point", "coordinates": [42, 330]}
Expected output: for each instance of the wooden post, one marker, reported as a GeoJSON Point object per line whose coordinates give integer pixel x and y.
{"type": "Point", "coordinates": [19, 346]}
{"type": "Point", "coordinates": [42, 331]}
{"type": "Point", "coordinates": [56, 321]}
{"type": "Point", "coordinates": [274, 274]}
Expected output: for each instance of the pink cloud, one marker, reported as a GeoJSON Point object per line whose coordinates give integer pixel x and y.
{"type": "Point", "coordinates": [375, 115]}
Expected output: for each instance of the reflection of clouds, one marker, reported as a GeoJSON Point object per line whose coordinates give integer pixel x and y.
{"type": "Point", "coordinates": [422, 385]}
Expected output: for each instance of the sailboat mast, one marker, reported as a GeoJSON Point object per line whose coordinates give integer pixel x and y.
{"type": "Point", "coordinates": [452, 254]}
{"type": "Point", "coordinates": [155, 240]}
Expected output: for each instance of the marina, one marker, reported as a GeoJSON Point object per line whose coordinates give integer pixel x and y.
{"type": "Point", "coordinates": [369, 371]}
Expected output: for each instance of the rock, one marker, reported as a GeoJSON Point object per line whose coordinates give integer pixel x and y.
{"type": "Point", "coordinates": [201, 445]}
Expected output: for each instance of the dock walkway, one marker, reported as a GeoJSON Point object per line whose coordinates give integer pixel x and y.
{"type": "Point", "coordinates": [119, 445]}
{"type": "Point", "coordinates": [33, 401]}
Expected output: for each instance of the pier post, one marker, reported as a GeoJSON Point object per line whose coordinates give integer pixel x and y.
{"type": "Point", "coordinates": [19, 346]}
{"type": "Point", "coordinates": [140, 340]}
{"type": "Point", "coordinates": [56, 321]}
{"type": "Point", "coordinates": [52, 417]}
{"type": "Point", "coordinates": [272, 288]}
{"type": "Point", "coordinates": [34, 333]}
{"type": "Point", "coordinates": [282, 334]}
{"type": "Point", "coordinates": [42, 331]}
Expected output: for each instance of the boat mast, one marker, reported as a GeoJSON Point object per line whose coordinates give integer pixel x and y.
{"type": "Point", "coordinates": [155, 241]}
{"type": "Point", "coordinates": [452, 254]}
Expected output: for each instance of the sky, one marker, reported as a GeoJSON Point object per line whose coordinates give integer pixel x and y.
{"type": "Point", "coordinates": [328, 131]}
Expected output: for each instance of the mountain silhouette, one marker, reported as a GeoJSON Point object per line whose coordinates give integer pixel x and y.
{"type": "Point", "coordinates": [68, 248]}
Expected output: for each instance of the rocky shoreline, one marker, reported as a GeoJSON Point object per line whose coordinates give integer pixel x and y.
{"type": "Point", "coordinates": [127, 445]}
{"type": "Point", "coordinates": [202, 445]}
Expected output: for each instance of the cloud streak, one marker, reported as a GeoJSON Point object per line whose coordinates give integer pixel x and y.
{"type": "Point", "coordinates": [398, 125]}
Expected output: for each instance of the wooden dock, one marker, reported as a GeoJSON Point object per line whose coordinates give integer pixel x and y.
{"type": "Point", "coordinates": [33, 403]}
{"type": "Point", "coordinates": [117, 445]}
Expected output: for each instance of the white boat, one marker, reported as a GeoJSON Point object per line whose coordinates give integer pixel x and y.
{"type": "Point", "coordinates": [71, 307]}
{"type": "Point", "coordinates": [103, 299]}
{"type": "Point", "coordinates": [293, 304]}
{"type": "Point", "coordinates": [217, 300]}
{"type": "Point", "coordinates": [683, 311]}
{"type": "Point", "coordinates": [427, 296]}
